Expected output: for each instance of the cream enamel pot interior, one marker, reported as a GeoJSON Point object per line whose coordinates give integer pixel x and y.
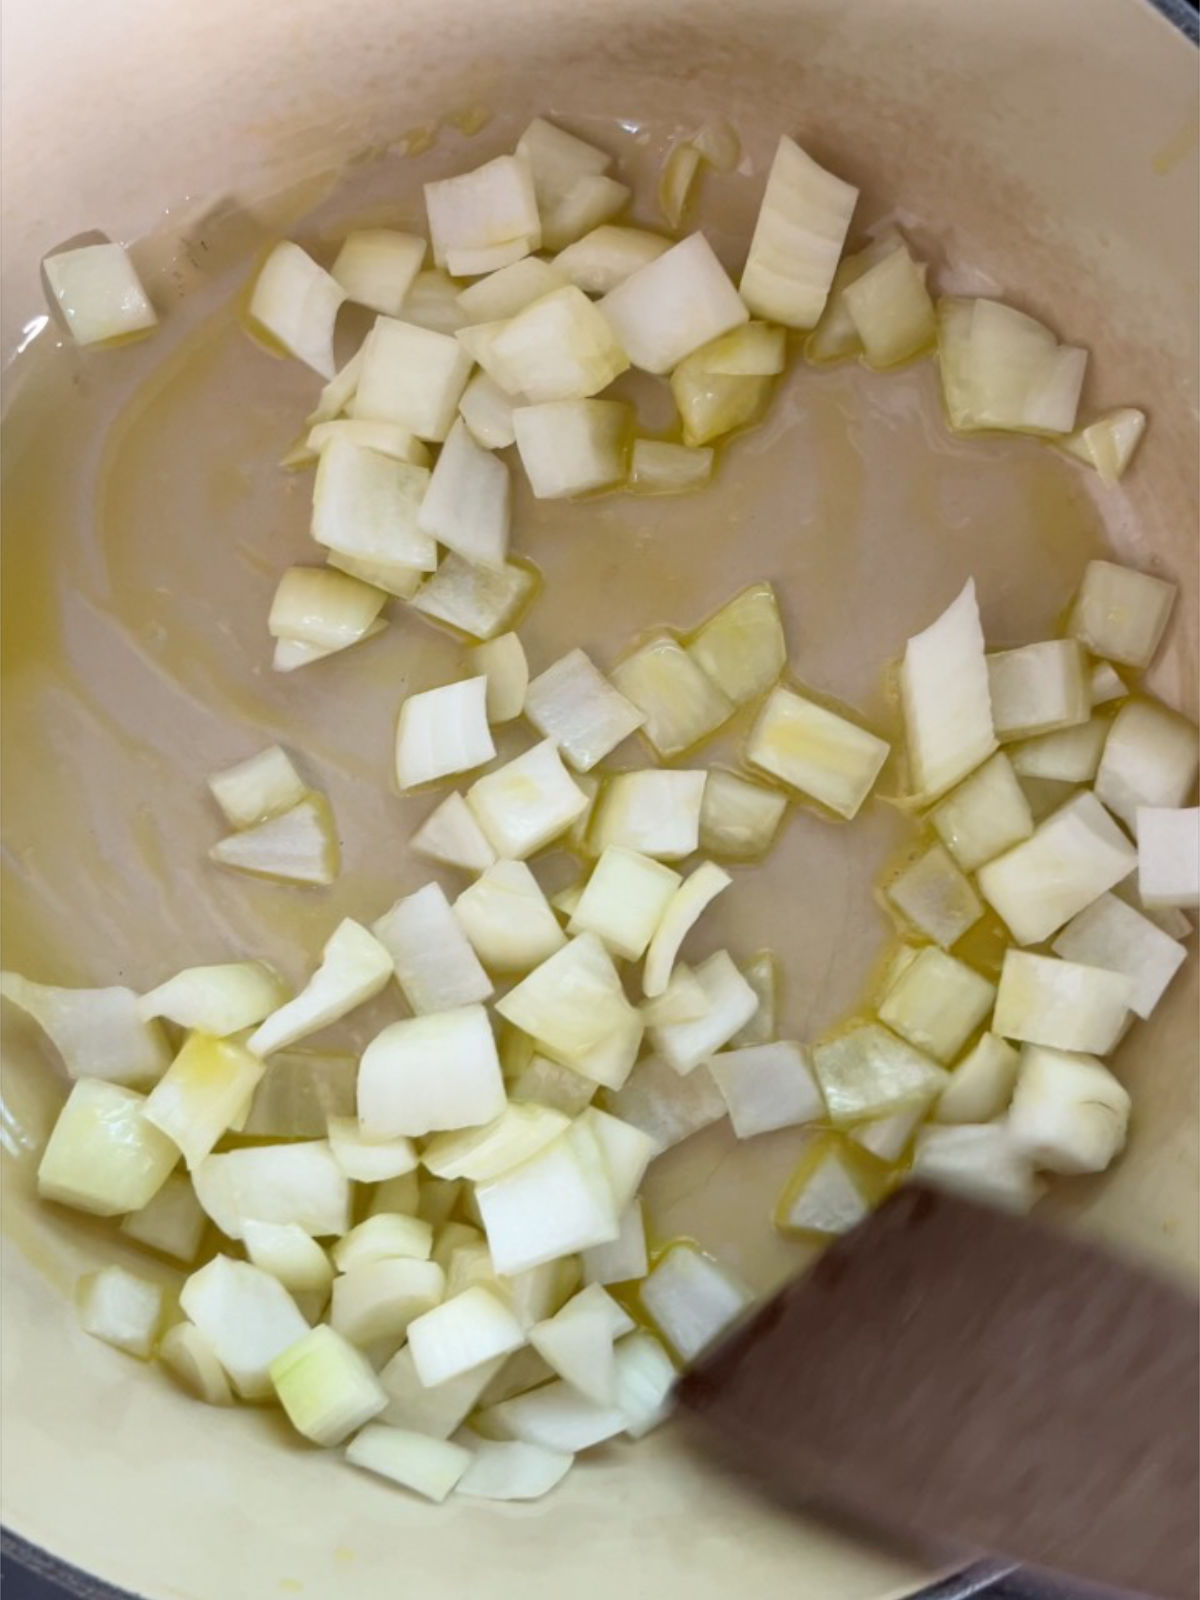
{"type": "Point", "coordinates": [1047, 150]}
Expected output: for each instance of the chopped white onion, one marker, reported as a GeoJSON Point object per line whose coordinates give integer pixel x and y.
{"type": "Point", "coordinates": [549, 1083]}
{"type": "Point", "coordinates": [99, 293]}
{"type": "Point", "coordinates": [327, 1387]}
{"type": "Point", "coordinates": [731, 1004]}
{"type": "Point", "coordinates": [573, 703]}
{"type": "Point", "coordinates": [199, 1096]}
{"type": "Point", "coordinates": [354, 968]}
{"type": "Point", "coordinates": [429, 1467]}
{"type": "Point", "coordinates": [299, 1092]}
{"type": "Point", "coordinates": [626, 900]}
{"type": "Point", "coordinates": [891, 309]}
{"type": "Point", "coordinates": [172, 1222]}
{"type": "Point", "coordinates": [387, 438]}
{"type": "Point", "coordinates": [432, 303]}
{"type": "Point", "coordinates": [738, 819]}
{"type": "Point", "coordinates": [435, 965]}
{"type": "Point", "coordinates": [296, 303]}
{"type": "Point", "coordinates": [673, 305]}
{"type": "Point", "coordinates": [502, 294]}
{"type": "Point", "coordinates": [367, 1160]}
{"type": "Point", "coordinates": [1073, 857]}
{"type": "Point", "coordinates": [626, 1152]}
{"type": "Point", "coordinates": [767, 1086]}
{"type": "Point", "coordinates": [393, 577]}
{"type": "Point", "coordinates": [679, 703]}
{"type": "Point", "coordinates": [679, 172]}
{"type": "Point", "coordinates": [488, 411]}
{"type": "Point", "coordinates": [980, 1160]}
{"type": "Point", "coordinates": [460, 1334]}
{"type": "Point", "coordinates": [835, 336]}
{"type": "Point", "coordinates": [297, 1183]}
{"type": "Point", "coordinates": [985, 815]}
{"type": "Point", "coordinates": [99, 1033]}
{"type": "Point", "coordinates": [713, 403]}
{"type": "Point", "coordinates": [288, 1253]}
{"type": "Point", "coordinates": [607, 256]}
{"type": "Point", "coordinates": [475, 214]}
{"type": "Point", "coordinates": [559, 348]}
{"type": "Point", "coordinates": [478, 601]}
{"type": "Point", "coordinates": [557, 159]}
{"type": "Point", "coordinates": [936, 897]}
{"type": "Point", "coordinates": [443, 731]}
{"type": "Point", "coordinates": [104, 1155]}
{"type": "Point", "coordinates": [518, 1133]}
{"type": "Point", "coordinates": [1120, 613]}
{"type": "Point", "coordinates": [502, 662]}
{"type": "Point", "coordinates": [816, 751]}
{"type": "Point", "coordinates": [869, 1072]}
{"type": "Point", "coordinates": [692, 1300]}
{"type": "Point", "coordinates": [401, 1196]}
{"type": "Point", "coordinates": [677, 915]}
{"type": "Point", "coordinates": [558, 1202]}
{"type": "Point", "coordinates": [510, 1469]}
{"type": "Point", "coordinates": [937, 1003]}
{"type": "Point", "coordinates": [374, 1301]}
{"type": "Point", "coordinates": [669, 1108]}
{"type": "Point", "coordinates": [623, 1259]}
{"type": "Point", "coordinates": [1038, 688]}
{"type": "Point", "coordinates": [797, 239]}
{"type": "Point", "coordinates": [120, 1308]}
{"type": "Point", "coordinates": [527, 802]}
{"type": "Point", "coordinates": [412, 376]}
{"type": "Point", "coordinates": [298, 846]}
{"type": "Point", "coordinates": [761, 972]}
{"type": "Point", "coordinates": [451, 834]}
{"type": "Point", "coordinates": [571, 1002]}
{"type": "Point", "coordinates": [886, 1138]}
{"type": "Point", "coordinates": [428, 1073]}
{"type": "Point", "coordinates": [335, 397]}
{"type": "Point", "coordinates": [262, 786]}
{"type": "Point", "coordinates": [1044, 1000]}
{"type": "Point", "coordinates": [189, 1357]}
{"type": "Point", "coordinates": [1109, 442]}
{"type": "Point", "coordinates": [1168, 856]}
{"type": "Point", "coordinates": [325, 610]}
{"type": "Point", "coordinates": [742, 648]}
{"type": "Point", "coordinates": [1069, 1114]}
{"type": "Point", "coordinates": [555, 1417]}
{"type": "Point", "coordinates": [578, 1340]}
{"type": "Point", "coordinates": [1150, 758]}
{"type": "Point", "coordinates": [981, 1085]}
{"type": "Point", "coordinates": [366, 505]}
{"type": "Point", "coordinates": [590, 201]}
{"type": "Point", "coordinates": [658, 467]}
{"type": "Point", "coordinates": [1106, 683]}
{"type": "Point", "coordinates": [570, 447]}
{"type": "Point", "coordinates": [1112, 935]}
{"type": "Point", "coordinates": [609, 1061]}
{"type": "Point", "coordinates": [508, 919]}
{"type": "Point", "coordinates": [1010, 372]}
{"type": "Point", "coordinates": [220, 999]}
{"type": "Point", "coordinates": [435, 1412]}
{"type": "Point", "coordinates": [386, 1236]}
{"type": "Point", "coordinates": [826, 1194]}
{"type": "Point", "coordinates": [1069, 755]}
{"type": "Point", "coordinates": [247, 1317]}
{"type": "Point", "coordinates": [755, 350]}
{"type": "Point", "coordinates": [944, 689]}
{"type": "Point", "coordinates": [376, 267]}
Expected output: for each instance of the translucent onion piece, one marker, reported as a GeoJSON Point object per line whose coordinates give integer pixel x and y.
{"type": "Point", "coordinates": [1109, 442]}
{"type": "Point", "coordinates": [676, 918]}
{"type": "Point", "coordinates": [711, 404]}
{"type": "Point", "coordinates": [508, 919]}
{"type": "Point", "coordinates": [835, 335]}
{"type": "Point", "coordinates": [936, 897]}
{"type": "Point", "coordinates": [289, 1254]}
{"type": "Point", "coordinates": [673, 305]}
{"type": "Point", "coordinates": [984, 816]}
{"type": "Point", "coordinates": [99, 1033]}
{"type": "Point", "coordinates": [822, 754]}
{"type": "Point", "coordinates": [411, 376]}
{"type": "Point", "coordinates": [608, 255]}
{"type": "Point", "coordinates": [393, 577]}
{"type": "Point", "coordinates": [761, 972]}
{"type": "Point", "coordinates": [299, 1092]}
{"type": "Point", "coordinates": [502, 294]}
{"type": "Point", "coordinates": [337, 394]}
{"type": "Point", "coordinates": [1150, 758]}
{"type": "Point", "coordinates": [827, 1194]}
{"type": "Point", "coordinates": [1069, 1114]}
{"type": "Point", "coordinates": [572, 1002]}
{"type": "Point", "coordinates": [678, 701]}
{"type": "Point", "coordinates": [99, 293]}
{"type": "Point", "coordinates": [354, 968]}
{"type": "Point", "coordinates": [549, 1083]}
{"type": "Point", "coordinates": [559, 348]}
{"type": "Point", "coordinates": [626, 1151]}
{"type": "Point", "coordinates": [1042, 1000]}
{"type": "Point", "coordinates": [374, 1301]}
{"type": "Point", "coordinates": [502, 662]}
{"type": "Point", "coordinates": [460, 1334]}
{"type": "Point", "coordinates": [104, 1155]}
{"type": "Point", "coordinates": [589, 202]}
{"type": "Point", "coordinates": [558, 159]}
{"type": "Point", "coordinates": [384, 1237]}
{"type": "Point", "coordinates": [367, 505]}
{"type": "Point", "coordinates": [742, 648]}
{"type": "Point", "coordinates": [260, 787]}
{"type": "Point", "coordinates": [1120, 613]}
{"type": "Point", "coordinates": [657, 467]}
{"type": "Point", "coordinates": [172, 1222]}
{"type": "Point", "coordinates": [435, 1412]}
{"type": "Point", "coordinates": [718, 142]}
{"type": "Point", "coordinates": [1073, 857]}
{"type": "Point", "coordinates": [555, 1416]}
{"type": "Point", "coordinates": [1038, 688]}
{"type": "Point", "coordinates": [428, 1073]}
{"type": "Point", "coordinates": [669, 1108]}
{"type": "Point", "coordinates": [246, 1316]}
{"type": "Point", "coordinates": [692, 1300]}
{"type": "Point", "coordinates": [982, 1161]}
{"type": "Point", "coordinates": [610, 1060]}
{"type": "Point", "coordinates": [767, 1086]}
{"type": "Point", "coordinates": [937, 1003]}
{"type": "Point", "coordinates": [887, 1137]}
{"type": "Point", "coordinates": [573, 703]}
{"type": "Point", "coordinates": [1168, 856]}
{"type": "Point", "coordinates": [487, 411]}
{"type": "Point", "coordinates": [1015, 375]}
{"type": "Point", "coordinates": [755, 350]}
{"type": "Point", "coordinates": [577, 1342]}
{"type": "Point", "coordinates": [478, 601]}
{"type": "Point", "coordinates": [296, 303]}
{"type": "Point", "coordinates": [432, 303]}
{"type": "Point", "coordinates": [189, 1357]}
{"type": "Point", "coordinates": [731, 1004]}
{"type": "Point", "coordinates": [283, 1183]}
{"type": "Point", "coordinates": [891, 310]}
{"type": "Point", "coordinates": [622, 1259]}
{"type": "Point", "coordinates": [945, 695]}
{"type": "Point", "coordinates": [327, 609]}
{"type": "Point", "coordinates": [1112, 935]}
{"type": "Point", "coordinates": [120, 1308]}
{"type": "Point", "coordinates": [429, 1467]}
{"type": "Point", "coordinates": [626, 900]}
{"type": "Point", "coordinates": [526, 803]}
{"type": "Point", "coordinates": [199, 1096]}
{"type": "Point", "coordinates": [519, 1132]}
{"type": "Point", "coordinates": [555, 1204]}
{"type": "Point", "coordinates": [869, 1072]}
{"type": "Point", "coordinates": [570, 447]}
{"type": "Point", "coordinates": [981, 1085]}
{"type": "Point", "coordinates": [797, 239]}
{"type": "Point", "coordinates": [738, 819]}
{"type": "Point", "coordinates": [443, 731]}
{"type": "Point", "coordinates": [376, 267]}
{"type": "Point", "coordinates": [656, 813]}
{"type": "Point", "coordinates": [476, 211]}
{"type": "Point", "coordinates": [300, 846]}
{"type": "Point", "coordinates": [435, 965]}
{"type": "Point", "coordinates": [397, 1195]}
{"type": "Point", "coordinates": [327, 1388]}
{"type": "Point", "coordinates": [1070, 755]}
{"type": "Point", "coordinates": [509, 1469]}
{"type": "Point", "coordinates": [1106, 684]}
{"type": "Point", "coordinates": [675, 182]}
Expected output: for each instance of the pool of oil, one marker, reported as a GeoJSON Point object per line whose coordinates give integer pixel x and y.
{"type": "Point", "coordinates": [147, 521]}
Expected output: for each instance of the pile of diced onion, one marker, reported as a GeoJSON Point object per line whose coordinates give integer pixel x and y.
{"type": "Point", "coordinates": [435, 1255]}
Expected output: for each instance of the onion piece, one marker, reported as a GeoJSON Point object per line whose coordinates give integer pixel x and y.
{"type": "Point", "coordinates": [296, 302]}
{"type": "Point", "coordinates": [767, 1086]}
{"type": "Point", "coordinates": [1015, 375]}
{"type": "Point", "coordinates": [589, 202]}
{"type": "Point", "coordinates": [327, 1387]}
{"type": "Point", "coordinates": [104, 1155]}
{"type": "Point", "coordinates": [429, 1467]}
{"type": "Point", "coordinates": [937, 1003]}
{"type": "Point", "coordinates": [321, 608]}
{"type": "Point", "coordinates": [393, 577]}
{"type": "Point", "coordinates": [487, 410]}
{"type": "Point", "coordinates": [981, 1085]}
{"type": "Point", "coordinates": [443, 731]}
{"type": "Point", "coordinates": [367, 505]}
{"type": "Point", "coordinates": [731, 1004]}
{"type": "Point", "coordinates": [478, 1154]}
{"type": "Point", "coordinates": [199, 1096]}
{"type": "Point", "coordinates": [824, 755]}
{"type": "Point", "coordinates": [411, 376]}
{"type": "Point", "coordinates": [980, 1160]}
{"type": "Point", "coordinates": [1072, 858]}
{"type": "Point", "coordinates": [886, 1138]}
{"type": "Point", "coordinates": [99, 293]}
{"type": "Point", "coordinates": [797, 240]}
{"type": "Point", "coordinates": [510, 1469]}
{"type": "Point", "coordinates": [625, 1150]}
{"type": "Point", "coordinates": [367, 1160]}
{"type": "Point", "coordinates": [717, 141]}
{"type": "Point", "coordinates": [1069, 1114]}
{"type": "Point", "coordinates": [738, 819]}
{"type": "Point", "coordinates": [869, 1072]}
{"type": "Point", "coordinates": [385, 1236]}
{"type": "Point", "coordinates": [623, 1259]}
{"type": "Point", "coordinates": [609, 1061]}
{"type": "Point", "coordinates": [665, 1106]}
{"type": "Point", "coordinates": [1150, 758]}
{"type": "Point", "coordinates": [676, 918]}
{"type": "Point", "coordinates": [120, 1308]}
{"type": "Point", "coordinates": [657, 467]}
{"type": "Point", "coordinates": [570, 447]}
{"type": "Point", "coordinates": [558, 159]}
{"type": "Point", "coordinates": [936, 897]}
{"type": "Point", "coordinates": [827, 1194]}
{"type": "Point", "coordinates": [503, 294]}
{"type": "Point", "coordinates": [945, 694]}
{"type": "Point", "coordinates": [835, 336]}
{"type": "Point", "coordinates": [1108, 443]}
{"type": "Point", "coordinates": [502, 662]}
{"type": "Point", "coordinates": [354, 968]}
{"type": "Point", "coordinates": [508, 919]}
{"type": "Point", "coordinates": [299, 1092]}
{"type": "Point", "coordinates": [299, 846]}
{"type": "Point", "coordinates": [337, 394]}
{"type": "Point", "coordinates": [559, 348]}
{"type": "Point", "coordinates": [556, 1203]}
{"type": "Point", "coordinates": [578, 1340]}
{"type": "Point", "coordinates": [761, 972]}
{"type": "Point", "coordinates": [679, 703]}
{"type": "Point", "coordinates": [555, 1416]}
{"type": "Point", "coordinates": [478, 601]}
{"type": "Point", "coordinates": [712, 403]}
{"type": "Point", "coordinates": [1038, 688]}
{"type": "Point", "coordinates": [432, 303]}
{"type": "Point", "coordinates": [289, 1254]}
{"type": "Point", "coordinates": [246, 1316]}
{"type": "Point", "coordinates": [573, 703]}
{"type": "Point", "coordinates": [527, 802]}
{"type": "Point", "coordinates": [1112, 935]}
{"type": "Point", "coordinates": [891, 309]}
{"type": "Point", "coordinates": [1106, 684]}
{"type": "Point", "coordinates": [679, 172]}
{"type": "Point", "coordinates": [1120, 613]}
{"type": "Point", "coordinates": [430, 1073]}
{"type": "Point", "coordinates": [670, 307]}
{"type": "Point", "coordinates": [645, 1381]}
{"type": "Point", "coordinates": [99, 1033]}
{"type": "Point", "coordinates": [572, 1002]}
{"type": "Point", "coordinates": [549, 1083]}
{"type": "Point", "coordinates": [1168, 856]}
{"type": "Point", "coordinates": [375, 1301]}
{"type": "Point", "coordinates": [460, 1334]}
{"type": "Point", "coordinates": [1069, 755]}
{"type": "Point", "coordinates": [656, 813]}
{"type": "Point", "coordinates": [1044, 1000]}
{"type": "Point", "coordinates": [435, 1412]}
{"type": "Point", "coordinates": [190, 1359]}
{"type": "Point", "coordinates": [692, 1300]}
{"type": "Point", "coordinates": [984, 816]}
{"type": "Point", "coordinates": [742, 648]}
{"type": "Point", "coordinates": [606, 256]}
{"type": "Point", "coordinates": [401, 1195]}
{"type": "Point", "coordinates": [474, 212]}
{"type": "Point", "coordinates": [172, 1221]}
{"type": "Point", "coordinates": [435, 965]}
{"type": "Point", "coordinates": [376, 267]}
{"type": "Point", "coordinates": [625, 902]}
{"type": "Point", "coordinates": [260, 787]}
{"type": "Point", "coordinates": [283, 1183]}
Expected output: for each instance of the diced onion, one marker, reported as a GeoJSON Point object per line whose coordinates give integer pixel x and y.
{"type": "Point", "coordinates": [590, 201]}
{"type": "Point", "coordinates": [299, 846]}
{"type": "Point", "coordinates": [570, 447]}
{"type": "Point", "coordinates": [375, 1301]}
{"type": "Point", "coordinates": [435, 965]}
{"type": "Point", "coordinates": [283, 1183]}
{"type": "Point", "coordinates": [559, 348]}
{"type": "Point", "coordinates": [502, 662]}
{"type": "Point", "coordinates": [367, 505]}
{"type": "Point", "coordinates": [487, 411]}
{"type": "Point", "coordinates": [891, 309]}
{"type": "Point", "coordinates": [260, 787]}
{"type": "Point", "coordinates": [508, 919]}
{"type": "Point", "coordinates": [572, 1002]}
{"type": "Point", "coordinates": [984, 816]}
{"type": "Point", "coordinates": [835, 335]}
{"type": "Point", "coordinates": [558, 159]}
{"type": "Point", "coordinates": [658, 467]}
{"type": "Point", "coordinates": [288, 1253]}
{"type": "Point", "coordinates": [435, 1412]}
{"type": "Point", "coordinates": [1106, 684]}
{"type": "Point", "coordinates": [462, 1333]}
{"type": "Point", "coordinates": [466, 506]}
{"type": "Point", "coordinates": [432, 303]}
{"type": "Point", "coordinates": [354, 968]}
{"type": "Point", "coordinates": [679, 702]}
{"type": "Point", "coordinates": [1109, 442]}
{"type": "Point", "coordinates": [549, 1083]}
{"type": "Point", "coordinates": [607, 256]}
{"type": "Point", "coordinates": [947, 708]}
{"type": "Point", "coordinates": [1069, 1114]}
{"type": "Point", "coordinates": [822, 754]}
{"type": "Point", "coordinates": [393, 577]}
{"type": "Point", "coordinates": [1168, 856]}
{"type": "Point", "coordinates": [731, 1004]}
{"type": "Point", "coordinates": [1038, 688]}
{"type": "Point", "coordinates": [246, 1316]}
{"type": "Point", "coordinates": [1150, 758]}
{"type": "Point", "coordinates": [797, 239]}
{"type": "Point", "coordinates": [104, 1155]}
{"type": "Point", "coordinates": [451, 834]}
{"type": "Point", "coordinates": [337, 394]}
{"type": "Point", "coordinates": [172, 1222]}
{"type": "Point", "coordinates": [677, 915]}
{"type": "Point", "coordinates": [937, 1003]}
{"type": "Point", "coordinates": [327, 1387]}
{"type": "Point", "coordinates": [1069, 755]}
{"type": "Point", "coordinates": [936, 897]}
{"type": "Point", "coordinates": [555, 1416]}
{"type": "Point", "coordinates": [621, 1259]}
{"type": "Point", "coordinates": [1010, 372]}
{"type": "Point", "coordinates": [656, 813]}
{"type": "Point", "coordinates": [366, 1160]}
{"type": "Point", "coordinates": [573, 703]}
{"type": "Point", "coordinates": [478, 601]}
{"type": "Point", "coordinates": [99, 1033]}
{"type": "Point", "coordinates": [1113, 935]}
{"type": "Point", "coordinates": [738, 819]}
{"type": "Point", "coordinates": [518, 1133]}
{"type": "Point", "coordinates": [609, 1061]}
{"type": "Point", "coordinates": [626, 900]}
{"type": "Point", "coordinates": [1044, 1000]}
{"type": "Point", "coordinates": [502, 294]}
{"type": "Point", "coordinates": [558, 1202]}
{"type": "Point", "coordinates": [980, 1160]}
{"type": "Point", "coordinates": [718, 142]}
{"type": "Point", "coordinates": [429, 1467]}
{"type": "Point", "coordinates": [1120, 613]}
{"type": "Point", "coordinates": [376, 267]}
{"type": "Point", "coordinates": [673, 305]}
{"type": "Point", "coordinates": [981, 1085]}
{"type": "Point", "coordinates": [827, 1194]}
{"type": "Point", "coordinates": [296, 303]}
{"type": "Point", "coordinates": [742, 648]}
{"type": "Point", "coordinates": [429, 1073]}
{"type": "Point", "coordinates": [120, 1308]}
{"type": "Point", "coordinates": [472, 214]}
{"type": "Point", "coordinates": [443, 731]}
{"type": "Point", "coordinates": [869, 1072]}
{"type": "Point", "coordinates": [201, 1093]}
{"type": "Point", "coordinates": [669, 1108]}
{"type": "Point", "coordinates": [692, 1300]}
{"type": "Point", "coordinates": [712, 403]}
{"type": "Point", "coordinates": [767, 1086]}
{"type": "Point", "coordinates": [299, 1092]}
{"type": "Point", "coordinates": [761, 972]}
{"type": "Point", "coordinates": [384, 1237]}
{"type": "Point", "coordinates": [411, 376]}
{"type": "Point", "coordinates": [526, 803]}
{"type": "Point", "coordinates": [675, 182]}
{"type": "Point", "coordinates": [189, 1357]}
{"type": "Point", "coordinates": [99, 293]}
{"type": "Point", "coordinates": [887, 1137]}
{"type": "Point", "coordinates": [510, 1469]}
{"type": "Point", "coordinates": [327, 610]}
